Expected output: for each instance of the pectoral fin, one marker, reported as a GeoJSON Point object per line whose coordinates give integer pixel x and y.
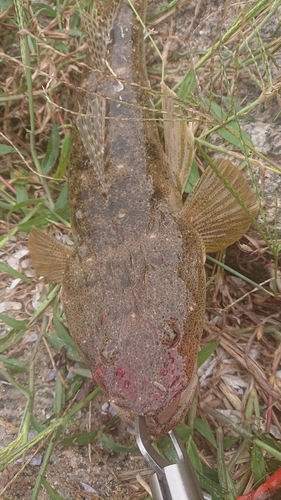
{"type": "Point", "coordinates": [214, 212]}
{"type": "Point", "coordinates": [179, 139]}
{"type": "Point", "coordinates": [48, 255]}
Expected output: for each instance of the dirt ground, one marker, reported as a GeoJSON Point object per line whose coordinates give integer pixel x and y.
{"type": "Point", "coordinates": [72, 470]}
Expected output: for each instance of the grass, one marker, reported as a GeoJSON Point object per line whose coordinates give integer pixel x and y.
{"type": "Point", "coordinates": [37, 78]}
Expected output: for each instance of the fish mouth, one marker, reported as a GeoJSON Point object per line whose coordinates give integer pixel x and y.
{"type": "Point", "coordinates": [166, 419]}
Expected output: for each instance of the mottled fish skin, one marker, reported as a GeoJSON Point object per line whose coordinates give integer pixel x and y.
{"type": "Point", "coordinates": [134, 285]}
{"type": "Point", "coordinates": [134, 288]}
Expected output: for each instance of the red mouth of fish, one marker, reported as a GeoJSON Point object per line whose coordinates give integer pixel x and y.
{"type": "Point", "coordinates": [166, 419]}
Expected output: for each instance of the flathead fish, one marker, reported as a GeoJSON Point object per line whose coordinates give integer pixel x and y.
{"type": "Point", "coordinates": [133, 288]}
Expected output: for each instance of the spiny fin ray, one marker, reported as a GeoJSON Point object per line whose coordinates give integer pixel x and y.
{"type": "Point", "coordinates": [214, 212]}
{"type": "Point", "coordinates": [179, 139]}
{"type": "Point", "coordinates": [48, 255]}
{"type": "Point", "coordinates": [91, 127]}
{"type": "Point", "coordinates": [97, 28]}
{"type": "Point", "coordinates": [91, 122]}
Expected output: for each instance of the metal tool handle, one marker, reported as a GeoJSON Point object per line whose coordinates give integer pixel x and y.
{"type": "Point", "coordinates": [170, 481]}
{"type": "Point", "coordinates": [180, 483]}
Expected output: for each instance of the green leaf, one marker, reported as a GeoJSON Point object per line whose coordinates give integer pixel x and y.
{"type": "Point", "coordinates": [272, 464]}
{"type": "Point", "coordinates": [12, 364]}
{"type": "Point", "coordinates": [4, 150]}
{"type": "Point", "coordinates": [184, 431]}
{"type": "Point", "coordinates": [13, 323]}
{"type": "Point", "coordinates": [64, 156]}
{"type": "Point", "coordinates": [52, 150]}
{"type": "Point", "coordinates": [231, 106]}
{"type": "Point", "coordinates": [111, 445]}
{"type": "Point", "coordinates": [160, 10]}
{"type": "Point", "coordinates": [165, 445]}
{"type": "Point", "coordinates": [5, 268]}
{"type": "Point", "coordinates": [258, 465]}
{"type": "Point", "coordinates": [6, 237]}
{"type": "Point", "coordinates": [273, 450]}
{"type": "Point", "coordinates": [82, 372]}
{"type": "Point", "coordinates": [61, 46]}
{"type": "Point", "coordinates": [267, 439]}
{"type": "Point", "coordinates": [38, 426]}
{"type": "Point", "coordinates": [231, 131]}
{"type": "Point", "coordinates": [187, 86]}
{"type": "Point", "coordinates": [54, 340]}
{"type": "Point", "coordinates": [59, 400]}
{"type": "Point", "coordinates": [63, 334]}
{"type": "Point", "coordinates": [61, 214]}
{"type": "Point", "coordinates": [216, 110]}
{"type": "Point", "coordinates": [21, 192]}
{"type": "Point", "coordinates": [41, 221]}
{"type": "Point", "coordinates": [229, 442]}
{"type": "Point", "coordinates": [193, 177]}
{"type": "Point", "coordinates": [205, 431]}
{"type": "Point", "coordinates": [10, 379]}
{"type": "Point", "coordinates": [42, 8]}
{"type": "Point", "coordinates": [81, 439]}
{"type": "Point", "coordinates": [26, 203]}
{"type": "Point", "coordinates": [194, 456]}
{"type": "Point", "coordinates": [58, 343]}
{"type": "Point", "coordinates": [74, 32]}
{"type": "Point", "coordinates": [62, 200]}
{"type": "Point", "coordinates": [210, 473]}
{"type": "Point", "coordinates": [206, 352]}
{"type": "Point", "coordinates": [11, 338]}
{"type": "Point", "coordinates": [51, 492]}
{"type": "Point", "coordinates": [214, 489]}
{"type": "Point", "coordinates": [74, 384]}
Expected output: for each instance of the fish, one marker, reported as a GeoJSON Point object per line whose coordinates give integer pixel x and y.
{"type": "Point", "coordinates": [134, 285]}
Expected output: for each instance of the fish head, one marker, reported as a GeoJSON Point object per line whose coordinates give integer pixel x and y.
{"type": "Point", "coordinates": [146, 372]}
{"type": "Point", "coordinates": [164, 418]}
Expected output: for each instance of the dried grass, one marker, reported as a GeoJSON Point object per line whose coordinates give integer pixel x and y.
{"type": "Point", "coordinates": [240, 383]}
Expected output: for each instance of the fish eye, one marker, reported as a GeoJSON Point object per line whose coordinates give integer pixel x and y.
{"type": "Point", "coordinates": [171, 333]}
{"type": "Point", "coordinates": [109, 351]}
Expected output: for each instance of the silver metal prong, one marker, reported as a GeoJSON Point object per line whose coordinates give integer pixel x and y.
{"type": "Point", "coordinates": [170, 481]}
{"type": "Point", "coordinates": [149, 453]}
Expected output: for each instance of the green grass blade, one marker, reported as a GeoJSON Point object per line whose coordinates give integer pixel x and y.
{"type": "Point", "coordinates": [5, 268]}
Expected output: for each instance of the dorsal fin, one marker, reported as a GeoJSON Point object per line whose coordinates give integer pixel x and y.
{"type": "Point", "coordinates": [91, 126]}
{"type": "Point", "coordinates": [97, 29]}
{"type": "Point", "coordinates": [179, 139]}
{"type": "Point", "coordinates": [91, 121]}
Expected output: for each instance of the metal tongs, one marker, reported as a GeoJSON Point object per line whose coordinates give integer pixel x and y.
{"type": "Point", "coordinates": [170, 481]}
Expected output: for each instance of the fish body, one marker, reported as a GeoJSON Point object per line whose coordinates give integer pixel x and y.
{"type": "Point", "coordinates": [125, 290]}
{"type": "Point", "coordinates": [134, 286]}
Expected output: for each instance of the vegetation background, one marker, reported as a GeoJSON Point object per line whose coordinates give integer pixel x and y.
{"type": "Point", "coordinates": [222, 58]}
